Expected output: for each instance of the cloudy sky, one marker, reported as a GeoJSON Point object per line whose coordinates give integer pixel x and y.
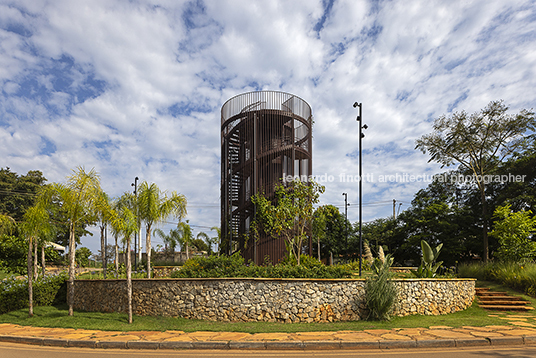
{"type": "Point", "coordinates": [135, 88]}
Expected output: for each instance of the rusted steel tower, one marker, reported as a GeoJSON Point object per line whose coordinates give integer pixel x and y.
{"type": "Point", "coordinates": [265, 136]}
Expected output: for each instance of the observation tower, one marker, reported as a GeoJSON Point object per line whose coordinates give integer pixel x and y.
{"type": "Point", "coordinates": [265, 136]}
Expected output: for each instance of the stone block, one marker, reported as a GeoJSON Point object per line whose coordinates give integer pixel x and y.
{"type": "Point", "coordinates": [79, 343]}
{"type": "Point", "coordinates": [506, 341]}
{"type": "Point", "coordinates": [319, 345]}
{"type": "Point", "coordinates": [143, 345]}
{"type": "Point", "coordinates": [397, 344]}
{"type": "Point", "coordinates": [111, 344]}
{"type": "Point", "coordinates": [472, 342]}
{"type": "Point", "coordinates": [360, 344]}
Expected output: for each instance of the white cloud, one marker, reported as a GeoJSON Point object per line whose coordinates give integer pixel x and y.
{"type": "Point", "coordinates": [135, 88]}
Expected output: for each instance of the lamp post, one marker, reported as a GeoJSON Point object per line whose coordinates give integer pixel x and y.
{"type": "Point", "coordinates": [346, 224]}
{"type": "Point", "coordinates": [361, 135]}
{"type": "Point", "coordinates": [135, 185]}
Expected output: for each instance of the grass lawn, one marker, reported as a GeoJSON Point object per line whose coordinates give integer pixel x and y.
{"type": "Point", "coordinates": [50, 316]}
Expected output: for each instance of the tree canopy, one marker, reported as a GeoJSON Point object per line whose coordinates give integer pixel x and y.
{"type": "Point", "coordinates": [291, 216]}
{"type": "Point", "coordinates": [478, 142]}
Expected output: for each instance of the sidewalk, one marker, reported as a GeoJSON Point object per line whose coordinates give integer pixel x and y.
{"type": "Point", "coordinates": [518, 330]}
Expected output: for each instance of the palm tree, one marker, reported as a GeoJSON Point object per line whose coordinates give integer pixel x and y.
{"type": "Point", "coordinates": [208, 240]}
{"type": "Point", "coordinates": [154, 207]}
{"type": "Point", "coordinates": [124, 222]}
{"type": "Point", "coordinates": [186, 236]}
{"type": "Point", "coordinates": [170, 240]}
{"type": "Point", "coordinates": [217, 239]}
{"type": "Point", "coordinates": [7, 223]}
{"type": "Point", "coordinates": [78, 201]}
{"type": "Point", "coordinates": [103, 215]}
{"type": "Point", "coordinates": [36, 224]}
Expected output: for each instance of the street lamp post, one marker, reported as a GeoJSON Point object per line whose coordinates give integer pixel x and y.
{"type": "Point", "coordinates": [346, 223]}
{"type": "Point", "coordinates": [361, 135]}
{"type": "Point", "coordinates": [135, 185]}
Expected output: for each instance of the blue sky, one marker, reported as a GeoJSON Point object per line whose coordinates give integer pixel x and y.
{"type": "Point", "coordinates": [135, 88]}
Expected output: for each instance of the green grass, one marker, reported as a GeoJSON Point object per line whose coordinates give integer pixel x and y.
{"type": "Point", "coordinates": [49, 316]}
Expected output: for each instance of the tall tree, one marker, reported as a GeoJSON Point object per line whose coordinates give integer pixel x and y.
{"type": "Point", "coordinates": [170, 240]}
{"type": "Point", "coordinates": [209, 241]}
{"type": "Point", "coordinates": [217, 238]}
{"type": "Point", "coordinates": [332, 228]}
{"type": "Point", "coordinates": [291, 217]}
{"type": "Point", "coordinates": [125, 223]}
{"type": "Point", "coordinates": [7, 224]}
{"type": "Point", "coordinates": [36, 224]}
{"type": "Point", "coordinates": [185, 236]}
{"type": "Point", "coordinates": [514, 231]}
{"type": "Point", "coordinates": [78, 199]}
{"type": "Point", "coordinates": [478, 142]}
{"type": "Point", "coordinates": [18, 192]}
{"type": "Point", "coordinates": [103, 209]}
{"type": "Point", "coordinates": [154, 207]}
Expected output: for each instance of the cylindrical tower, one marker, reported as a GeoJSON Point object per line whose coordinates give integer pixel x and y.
{"type": "Point", "coordinates": [265, 136]}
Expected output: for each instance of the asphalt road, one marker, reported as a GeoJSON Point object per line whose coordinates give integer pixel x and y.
{"type": "Point", "coordinates": [11, 350]}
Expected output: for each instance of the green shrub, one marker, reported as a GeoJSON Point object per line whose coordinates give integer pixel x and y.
{"type": "Point", "coordinates": [380, 291]}
{"type": "Point", "coordinates": [46, 291]}
{"type": "Point", "coordinates": [517, 275]}
{"type": "Point", "coordinates": [235, 266]}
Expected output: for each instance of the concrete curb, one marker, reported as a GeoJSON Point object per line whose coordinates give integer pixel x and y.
{"type": "Point", "coordinates": [275, 345]}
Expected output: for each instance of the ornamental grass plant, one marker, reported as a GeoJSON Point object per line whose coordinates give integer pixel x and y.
{"type": "Point", "coordinates": [380, 291]}
{"type": "Point", "coordinates": [520, 276]}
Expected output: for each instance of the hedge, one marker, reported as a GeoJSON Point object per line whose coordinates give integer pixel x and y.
{"type": "Point", "coordinates": [235, 266]}
{"type": "Point", "coordinates": [47, 290]}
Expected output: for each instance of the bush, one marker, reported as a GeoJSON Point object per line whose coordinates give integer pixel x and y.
{"type": "Point", "coordinates": [380, 291]}
{"type": "Point", "coordinates": [517, 275]}
{"type": "Point", "coordinates": [13, 254]}
{"type": "Point", "coordinates": [235, 266]}
{"type": "Point", "coordinates": [47, 290]}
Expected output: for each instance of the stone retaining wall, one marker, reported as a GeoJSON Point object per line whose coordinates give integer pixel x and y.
{"type": "Point", "coordinates": [282, 300]}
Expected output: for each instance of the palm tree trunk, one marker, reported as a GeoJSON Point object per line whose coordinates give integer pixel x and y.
{"type": "Point", "coordinates": [43, 264]}
{"type": "Point", "coordinates": [35, 261]}
{"type": "Point", "coordinates": [70, 282]}
{"type": "Point", "coordinates": [30, 279]}
{"type": "Point", "coordinates": [148, 250]}
{"type": "Point", "coordinates": [116, 256]}
{"type": "Point", "coordinates": [103, 254]}
{"type": "Point", "coordinates": [129, 282]}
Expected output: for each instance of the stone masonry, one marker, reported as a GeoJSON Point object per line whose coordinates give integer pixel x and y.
{"type": "Point", "coordinates": [271, 300]}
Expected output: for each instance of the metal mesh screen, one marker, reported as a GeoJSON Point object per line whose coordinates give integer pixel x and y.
{"type": "Point", "coordinates": [265, 136]}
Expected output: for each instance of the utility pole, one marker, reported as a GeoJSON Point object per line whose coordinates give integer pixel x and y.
{"type": "Point", "coordinates": [394, 208]}
{"type": "Point", "coordinates": [346, 224]}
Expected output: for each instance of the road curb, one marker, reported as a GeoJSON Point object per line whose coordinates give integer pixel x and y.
{"type": "Point", "coordinates": [81, 343]}
{"type": "Point", "coordinates": [275, 345]}
{"type": "Point", "coordinates": [529, 340]}
{"type": "Point", "coordinates": [111, 344]}
{"type": "Point", "coordinates": [472, 342]}
{"type": "Point", "coordinates": [436, 343]}
{"type": "Point", "coordinates": [506, 341]}
{"type": "Point", "coordinates": [401, 344]}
